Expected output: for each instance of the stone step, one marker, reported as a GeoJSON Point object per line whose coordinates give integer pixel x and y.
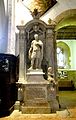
{"type": "Point", "coordinates": [35, 110]}
{"type": "Point", "coordinates": [36, 104]}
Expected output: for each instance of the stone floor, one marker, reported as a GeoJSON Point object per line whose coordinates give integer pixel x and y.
{"type": "Point", "coordinates": [67, 101]}
{"type": "Point", "coordinates": [61, 115]}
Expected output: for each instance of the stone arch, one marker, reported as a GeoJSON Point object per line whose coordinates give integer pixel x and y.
{"type": "Point", "coordinates": [35, 26]}
{"type": "Point", "coordinates": [36, 21]}
{"type": "Point", "coordinates": [62, 19]}
{"type": "Point", "coordinates": [71, 12]}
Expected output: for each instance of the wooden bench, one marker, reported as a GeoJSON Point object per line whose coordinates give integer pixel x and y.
{"type": "Point", "coordinates": [66, 85]}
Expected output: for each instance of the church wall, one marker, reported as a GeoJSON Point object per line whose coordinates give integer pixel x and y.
{"type": "Point", "coordinates": [9, 45]}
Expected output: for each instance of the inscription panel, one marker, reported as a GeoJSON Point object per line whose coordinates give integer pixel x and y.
{"type": "Point", "coordinates": [34, 93]}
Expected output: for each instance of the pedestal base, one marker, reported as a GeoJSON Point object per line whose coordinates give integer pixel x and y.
{"type": "Point", "coordinates": [35, 110]}
{"type": "Point", "coordinates": [35, 76]}
{"type": "Point", "coordinates": [36, 98]}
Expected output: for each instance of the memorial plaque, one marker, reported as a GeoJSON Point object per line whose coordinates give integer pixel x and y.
{"type": "Point", "coordinates": [34, 93]}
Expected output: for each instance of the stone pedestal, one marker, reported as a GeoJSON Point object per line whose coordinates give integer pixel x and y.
{"type": "Point", "coordinates": [35, 99]}
{"type": "Point", "coordinates": [35, 94]}
{"type": "Point", "coordinates": [35, 76]}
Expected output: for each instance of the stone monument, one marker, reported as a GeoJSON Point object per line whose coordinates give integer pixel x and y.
{"type": "Point", "coordinates": [36, 53]}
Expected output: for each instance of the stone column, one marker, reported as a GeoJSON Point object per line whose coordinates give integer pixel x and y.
{"type": "Point", "coordinates": [3, 39]}
{"type": "Point", "coordinates": [22, 53]}
{"type": "Point", "coordinates": [51, 48]}
{"type": "Point", "coordinates": [11, 27]}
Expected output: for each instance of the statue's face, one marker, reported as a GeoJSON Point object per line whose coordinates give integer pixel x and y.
{"type": "Point", "coordinates": [36, 36]}
{"type": "Point", "coordinates": [50, 69]}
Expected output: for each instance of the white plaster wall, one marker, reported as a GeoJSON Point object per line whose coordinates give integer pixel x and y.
{"type": "Point", "coordinates": [58, 8]}
{"type": "Point", "coordinates": [21, 14]}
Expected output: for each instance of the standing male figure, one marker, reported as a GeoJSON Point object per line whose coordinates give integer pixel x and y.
{"type": "Point", "coordinates": [36, 53]}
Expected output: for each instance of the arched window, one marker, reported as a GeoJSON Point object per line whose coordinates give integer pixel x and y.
{"type": "Point", "coordinates": [60, 58]}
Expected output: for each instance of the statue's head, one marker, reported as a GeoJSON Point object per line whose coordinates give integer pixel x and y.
{"type": "Point", "coordinates": [50, 69]}
{"type": "Point", "coordinates": [36, 36]}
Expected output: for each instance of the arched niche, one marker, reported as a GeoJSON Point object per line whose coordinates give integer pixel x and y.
{"type": "Point", "coordinates": [66, 53]}
{"type": "Point", "coordinates": [32, 28]}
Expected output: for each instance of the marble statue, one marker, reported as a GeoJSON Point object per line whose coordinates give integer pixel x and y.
{"type": "Point", "coordinates": [36, 53]}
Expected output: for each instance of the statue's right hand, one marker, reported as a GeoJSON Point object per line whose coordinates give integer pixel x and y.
{"type": "Point", "coordinates": [29, 55]}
